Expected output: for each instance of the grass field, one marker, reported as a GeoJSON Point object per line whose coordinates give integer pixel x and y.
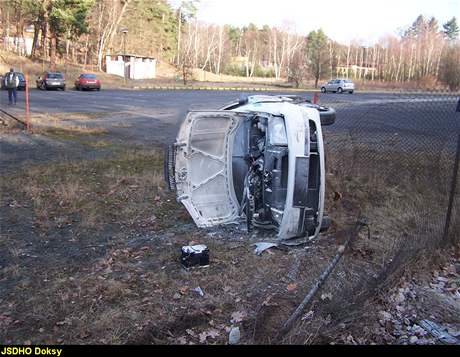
{"type": "Point", "coordinates": [90, 247]}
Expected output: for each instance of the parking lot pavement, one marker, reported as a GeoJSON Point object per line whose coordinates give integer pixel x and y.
{"type": "Point", "coordinates": [154, 116]}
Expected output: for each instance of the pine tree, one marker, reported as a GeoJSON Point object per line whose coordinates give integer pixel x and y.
{"type": "Point", "coordinates": [316, 49]}
{"type": "Point", "coordinates": [451, 29]}
{"type": "Point", "coordinates": [417, 27]}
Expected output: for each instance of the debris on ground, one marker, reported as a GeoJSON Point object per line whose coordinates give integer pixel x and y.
{"type": "Point", "coordinates": [234, 336]}
{"type": "Point", "coordinates": [238, 316]}
{"type": "Point", "coordinates": [263, 246]}
{"type": "Point", "coordinates": [439, 332]}
{"type": "Point", "coordinates": [199, 291]}
{"type": "Point", "coordinates": [424, 311]}
{"type": "Point", "coordinates": [195, 255]}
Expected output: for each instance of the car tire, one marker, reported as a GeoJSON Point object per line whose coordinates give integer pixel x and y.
{"type": "Point", "coordinates": [339, 90]}
{"type": "Point", "coordinates": [98, 89]}
{"type": "Point", "coordinates": [351, 92]}
{"type": "Point", "coordinates": [323, 90]}
{"type": "Point", "coordinates": [63, 88]}
{"type": "Point", "coordinates": [327, 116]}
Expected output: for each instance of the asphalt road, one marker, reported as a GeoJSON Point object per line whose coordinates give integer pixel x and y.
{"type": "Point", "coordinates": [409, 121]}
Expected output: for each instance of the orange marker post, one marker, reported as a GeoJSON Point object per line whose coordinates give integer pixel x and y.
{"type": "Point", "coordinates": [315, 98]}
{"type": "Point", "coordinates": [27, 105]}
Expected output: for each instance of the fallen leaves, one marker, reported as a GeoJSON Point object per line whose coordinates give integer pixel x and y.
{"type": "Point", "coordinates": [183, 290]}
{"type": "Point", "coordinates": [212, 333]}
{"type": "Point", "coordinates": [238, 316]}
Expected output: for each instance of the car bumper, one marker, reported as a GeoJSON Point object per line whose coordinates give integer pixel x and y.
{"type": "Point", "coordinates": [90, 86]}
{"type": "Point", "coordinates": [55, 85]}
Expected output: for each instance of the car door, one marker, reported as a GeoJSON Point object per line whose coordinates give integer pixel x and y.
{"type": "Point", "coordinates": [201, 164]}
{"type": "Point", "coordinates": [329, 86]}
{"type": "Point", "coordinates": [335, 85]}
{"type": "Point", "coordinates": [340, 84]}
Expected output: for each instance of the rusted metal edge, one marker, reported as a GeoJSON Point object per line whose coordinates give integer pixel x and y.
{"type": "Point", "coordinates": [13, 117]}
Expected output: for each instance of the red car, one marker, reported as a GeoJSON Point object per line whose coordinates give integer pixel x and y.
{"type": "Point", "coordinates": [87, 81]}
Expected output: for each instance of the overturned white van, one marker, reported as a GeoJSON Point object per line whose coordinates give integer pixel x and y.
{"type": "Point", "coordinates": [259, 159]}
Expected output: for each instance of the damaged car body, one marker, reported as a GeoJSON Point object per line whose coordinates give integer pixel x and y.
{"type": "Point", "coordinates": [259, 159]}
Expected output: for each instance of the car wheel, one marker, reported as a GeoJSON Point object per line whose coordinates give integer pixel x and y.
{"type": "Point", "coordinates": [323, 90]}
{"type": "Point", "coordinates": [63, 88]}
{"type": "Point", "coordinates": [351, 92]}
{"type": "Point", "coordinates": [340, 90]}
{"type": "Point", "coordinates": [98, 89]}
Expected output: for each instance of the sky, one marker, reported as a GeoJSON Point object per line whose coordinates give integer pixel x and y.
{"type": "Point", "coordinates": [342, 20]}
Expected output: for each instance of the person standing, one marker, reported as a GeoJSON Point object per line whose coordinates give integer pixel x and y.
{"type": "Point", "coordinates": [12, 83]}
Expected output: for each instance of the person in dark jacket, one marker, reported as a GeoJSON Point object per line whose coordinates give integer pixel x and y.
{"type": "Point", "coordinates": [11, 83]}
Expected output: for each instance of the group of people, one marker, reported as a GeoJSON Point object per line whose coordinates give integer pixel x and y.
{"type": "Point", "coordinates": [11, 82]}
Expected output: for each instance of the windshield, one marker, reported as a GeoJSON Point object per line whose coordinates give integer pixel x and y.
{"type": "Point", "coordinates": [88, 76]}
{"type": "Point", "coordinates": [55, 75]}
{"type": "Point", "coordinates": [20, 76]}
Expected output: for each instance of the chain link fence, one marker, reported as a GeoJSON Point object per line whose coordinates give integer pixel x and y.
{"type": "Point", "coordinates": [391, 162]}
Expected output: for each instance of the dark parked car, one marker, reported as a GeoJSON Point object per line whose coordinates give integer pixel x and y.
{"type": "Point", "coordinates": [87, 81]}
{"type": "Point", "coordinates": [22, 80]}
{"type": "Point", "coordinates": [51, 80]}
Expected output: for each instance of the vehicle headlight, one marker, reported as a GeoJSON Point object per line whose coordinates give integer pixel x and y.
{"type": "Point", "coordinates": [277, 132]}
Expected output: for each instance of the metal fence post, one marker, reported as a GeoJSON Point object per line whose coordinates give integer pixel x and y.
{"type": "Point", "coordinates": [453, 187]}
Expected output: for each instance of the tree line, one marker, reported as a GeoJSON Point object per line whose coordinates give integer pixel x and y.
{"type": "Point", "coordinates": [84, 31]}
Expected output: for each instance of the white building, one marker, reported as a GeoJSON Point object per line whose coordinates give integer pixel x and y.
{"type": "Point", "coordinates": [135, 67]}
{"type": "Point", "coordinates": [20, 45]}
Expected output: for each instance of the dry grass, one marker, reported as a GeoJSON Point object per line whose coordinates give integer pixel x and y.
{"type": "Point", "coordinates": [125, 284]}
{"type": "Point", "coordinates": [69, 116]}
{"type": "Point", "coordinates": [70, 131]}
{"type": "Point", "coordinates": [108, 238]}
{"type": "Point", "coordinates": [126, 189]}
{"type": "Point", "coordinates": [404, 199]}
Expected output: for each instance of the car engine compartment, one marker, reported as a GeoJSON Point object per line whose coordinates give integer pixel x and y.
{"type": "Point", "coordinates": [260, 174]}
